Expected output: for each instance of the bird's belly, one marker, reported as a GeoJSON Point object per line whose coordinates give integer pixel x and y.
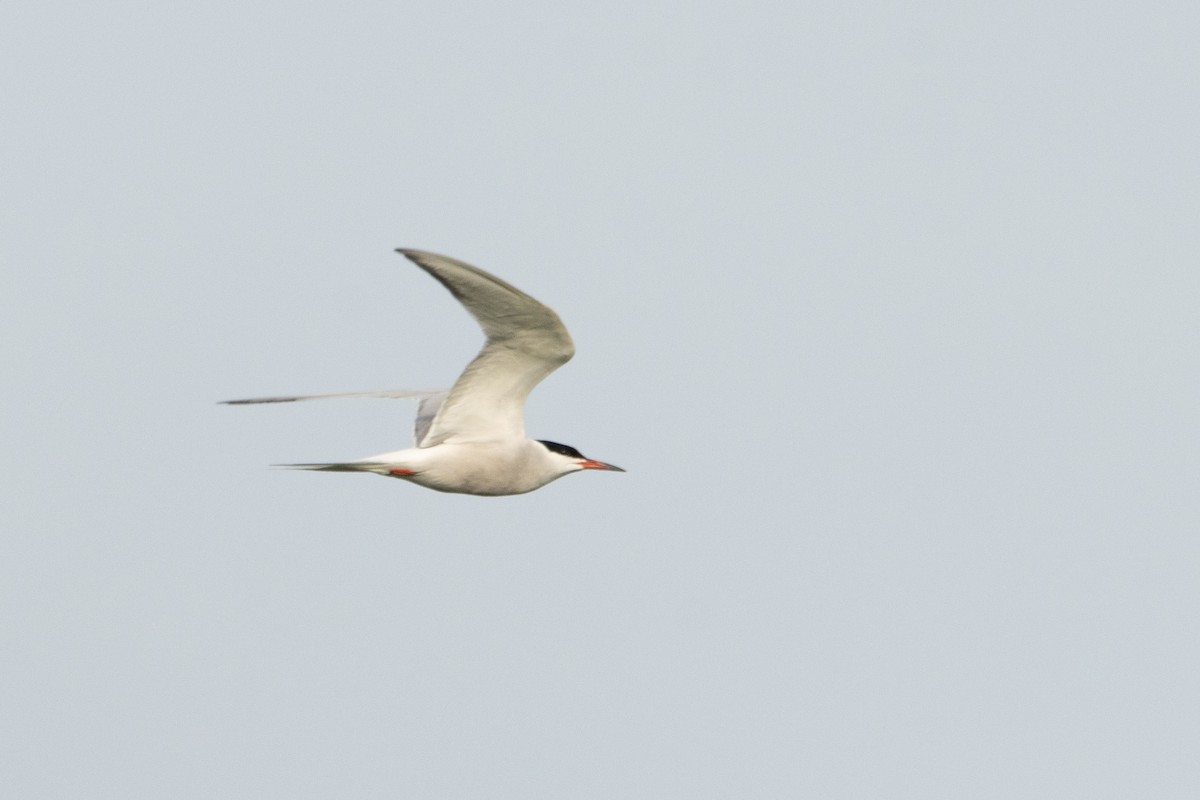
{"type": "Point", "coordinates": [477, 470]}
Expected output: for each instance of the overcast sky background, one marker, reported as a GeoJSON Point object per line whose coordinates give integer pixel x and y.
{"type": "Point", "coordinates": [889, 309]}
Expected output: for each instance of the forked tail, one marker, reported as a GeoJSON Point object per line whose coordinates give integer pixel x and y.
{"type": "Point", "coordinates": [347, 466]}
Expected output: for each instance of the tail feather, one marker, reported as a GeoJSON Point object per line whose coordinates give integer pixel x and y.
{"type": "Point", "coordinates": [347, 466]}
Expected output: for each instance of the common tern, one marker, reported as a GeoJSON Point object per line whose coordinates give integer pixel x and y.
{"type": "Point", "coordinates": [471, 438]}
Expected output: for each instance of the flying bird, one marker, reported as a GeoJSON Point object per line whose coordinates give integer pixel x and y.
{"type": "Point", "coordinates": [471, 438]}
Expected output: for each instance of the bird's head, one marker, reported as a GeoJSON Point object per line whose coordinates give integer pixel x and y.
{"type": "Point", "coordinates": [571, 460]}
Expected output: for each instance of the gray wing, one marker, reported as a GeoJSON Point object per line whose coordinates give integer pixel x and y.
{"type": "Point", "coordinates": [431, 401]}
{"type": "Point", "coordinates": [526, 341]}
{"type": "Point", "coordinates": [426, 412]}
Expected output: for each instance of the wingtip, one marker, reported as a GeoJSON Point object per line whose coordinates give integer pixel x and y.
{"type": "Point", "coordinates": [420, 257]}
{"type": "Point", "coordinates": [257, 401]}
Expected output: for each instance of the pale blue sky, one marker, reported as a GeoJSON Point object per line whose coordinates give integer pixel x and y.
{"type": "Point", "coordinates": [890, 310]}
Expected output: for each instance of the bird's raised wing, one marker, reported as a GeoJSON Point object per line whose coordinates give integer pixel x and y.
{"type": "Point", "coordinates": [396, 394]}
{"type": "Point", "coordinates": [431, 401]}
{"type": "Point", "coordinates": [526, 341]}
